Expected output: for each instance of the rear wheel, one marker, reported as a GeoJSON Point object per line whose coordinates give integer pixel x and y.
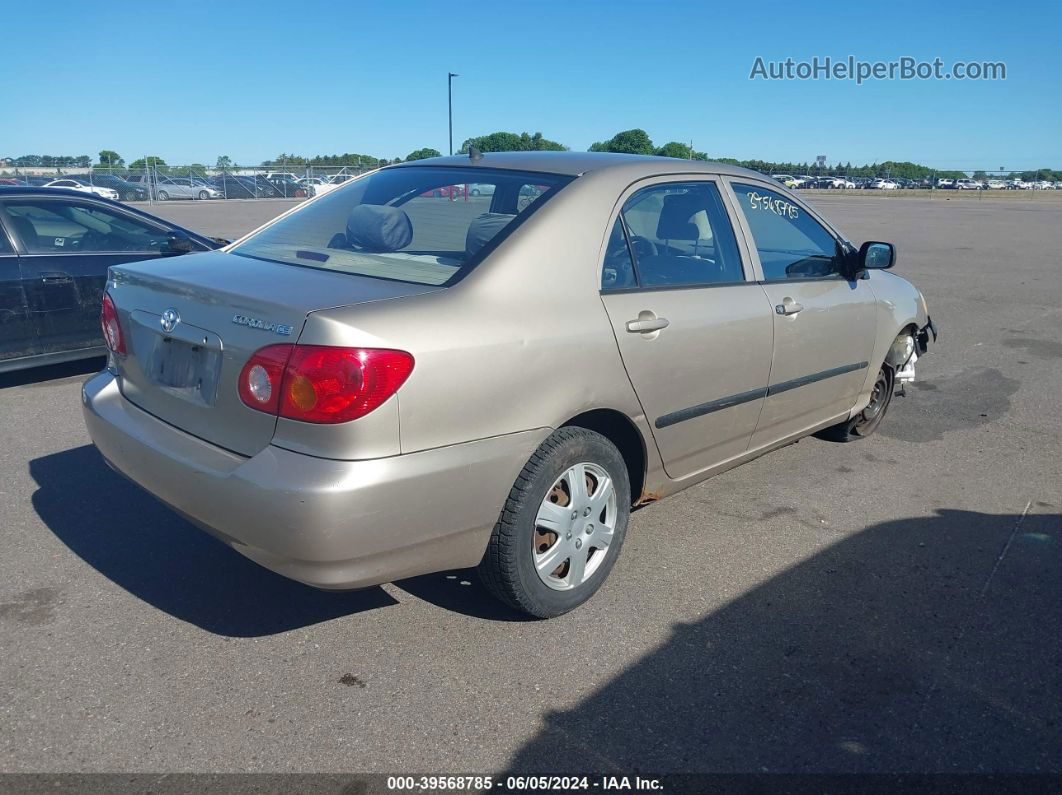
{"type": "Point", "coordinates": [562, 527]}
{"type": "Point", "coordinates": [865, 422]}
{"type": "Point", "coordinates": [162, 195]}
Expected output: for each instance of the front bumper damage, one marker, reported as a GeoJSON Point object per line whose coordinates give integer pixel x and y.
{"type": "Point", "coordinates": [906, 373]}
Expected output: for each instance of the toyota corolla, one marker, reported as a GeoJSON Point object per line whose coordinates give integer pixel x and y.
{"type": "Point", "coordinates": [404, 376]}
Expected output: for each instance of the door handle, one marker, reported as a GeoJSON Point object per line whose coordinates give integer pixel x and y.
{"type": "Point", "coordinates": [788, 307]}
{"type": "Point", "coordinates": [56, 278]}
{"type": "Point", "coordinates": [645, 325]}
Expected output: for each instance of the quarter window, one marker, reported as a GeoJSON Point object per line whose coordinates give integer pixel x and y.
{"type": "Point", "coordinates": [680, 235]}
{"type": "Point", "coordinates": [791, 244]}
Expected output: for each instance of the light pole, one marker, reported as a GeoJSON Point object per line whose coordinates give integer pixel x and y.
{"type": "Point", "coordinates": [450, 104]}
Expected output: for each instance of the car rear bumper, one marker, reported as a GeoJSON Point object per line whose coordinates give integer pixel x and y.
{"type": "Point", "coordinates": [327, 523]}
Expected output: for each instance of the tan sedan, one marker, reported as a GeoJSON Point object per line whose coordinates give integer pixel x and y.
{"type": "Point", "coordinates": [402, 377]}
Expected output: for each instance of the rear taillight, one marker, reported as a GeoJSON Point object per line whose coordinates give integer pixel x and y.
{"type": "Point", "coordinates": [112, 329]}
{"type": "Point", "coordinates": [322, 384]}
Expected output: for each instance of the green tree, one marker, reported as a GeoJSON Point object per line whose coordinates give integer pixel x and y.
{"type": "Point", "coordinates": [632, 142]}
{"type": "Point", "coordinates": [110, 159]}
{"type": "Point", "coordinates": [680, 150]}
{"type": "Point", "coordinates": [224, 163]}
{"type": "Point", "coordinates": [422, 154]}
{"type": "Point", "coordinates": [151, 161]}
{"type": "Point", "coordinates": [512, 142]}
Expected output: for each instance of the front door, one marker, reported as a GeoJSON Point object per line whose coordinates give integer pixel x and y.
{"type": "Point", "coordinates": [823, 322]}
{"type": "Point", "coordinates": [66, 247]}
{"type": "Point", "coordinates": [18, 337]}
{"type": "Point", "coordinates": [693, 331]}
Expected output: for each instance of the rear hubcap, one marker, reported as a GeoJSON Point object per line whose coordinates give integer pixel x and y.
{"type": "Point", "coordinates": [574, 527]}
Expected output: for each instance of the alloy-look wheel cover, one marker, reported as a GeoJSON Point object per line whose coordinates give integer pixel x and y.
{"type": "Point", "coordinates": [574, 527]}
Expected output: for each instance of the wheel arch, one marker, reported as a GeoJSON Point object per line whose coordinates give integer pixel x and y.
{"type": "Point", "coordinates": [618, 428]}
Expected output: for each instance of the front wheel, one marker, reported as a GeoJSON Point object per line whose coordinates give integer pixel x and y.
{"type": "Point", "coordinates": [562, 527]}
{"type": "Point", "coordinates": [204, 195]}
{"type": "Point", "coordinates": [865, 422]}
{"type": "Point", "coordinates": [162, 196]}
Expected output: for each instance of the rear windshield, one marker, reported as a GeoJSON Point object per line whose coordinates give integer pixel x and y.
{"type": "Point", "coordinates": [421, 224]}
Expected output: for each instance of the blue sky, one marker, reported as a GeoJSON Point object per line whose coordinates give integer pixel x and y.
{"type": "Point", "coordinates": [193, 80]}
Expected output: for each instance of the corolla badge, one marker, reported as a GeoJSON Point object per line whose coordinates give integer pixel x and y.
{"type": "Point", "coordinates": [169, 320]}
{"type": "Point", "coordinates": [265, 325]}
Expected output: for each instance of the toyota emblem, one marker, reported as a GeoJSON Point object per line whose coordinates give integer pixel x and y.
{"type": "Point", "coordinates": [169, 320]}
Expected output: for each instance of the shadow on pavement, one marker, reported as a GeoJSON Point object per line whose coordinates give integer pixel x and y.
{"type": "Point", "coordinates": [919, 645]}
{"type": "Point", "coordinates": [140, 544]}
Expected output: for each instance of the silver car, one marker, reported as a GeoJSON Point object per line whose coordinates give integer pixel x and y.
{"type": "Point", "coordinates": [379, 384]}
{"type": "Point", "coordinates": [183, 188]}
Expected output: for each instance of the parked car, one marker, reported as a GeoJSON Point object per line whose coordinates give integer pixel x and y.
{"type": "Point", "coordinates": [127, 191]}
{"type": "Point", "coordinates": [55, 248]}
{"type": "Point", "coordinates": [231, 186]}
{"type": "Point", "coordinates": [260, 391]}
{"type": "Point", "coordinates": [967, 184]}
{"type": "Point", "coordinates": [287, 188]}
{"type": "Point", "coordinates": [480, 190]}
{"type": "Point", "coordinates": [273, 176]}
{"type": "Point", "coordinates": [882, 184]}
{"type": "Point", "coordinates": [73, 184]}
{"type": "Point", "coordinates": [167, 188]}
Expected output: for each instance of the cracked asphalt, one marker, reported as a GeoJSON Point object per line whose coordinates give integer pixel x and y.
{"type": "Point", "coordinates": [890, 605]}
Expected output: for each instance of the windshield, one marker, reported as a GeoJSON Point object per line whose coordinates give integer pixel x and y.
{"type": "Point", "coordinates": [420, 224]}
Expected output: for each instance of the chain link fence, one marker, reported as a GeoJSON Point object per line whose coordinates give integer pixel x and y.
{"type": "Point", "coordinates": [165, 183]}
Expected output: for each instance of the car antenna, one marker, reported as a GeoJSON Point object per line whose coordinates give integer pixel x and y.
{"type": "Point", "coordinates": [474, 154]}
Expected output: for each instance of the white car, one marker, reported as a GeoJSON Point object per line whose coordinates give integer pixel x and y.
{"type": "Point", "coordinates": [967, 184]}
{"type": "Point", "coordinates": [882, 184]}
{"type": "Point", "coordinates": [106, 193]}
{"type": "Point", "coordinates": [333, 182]}
{"type": "Point", "coordinates": [996, 184]}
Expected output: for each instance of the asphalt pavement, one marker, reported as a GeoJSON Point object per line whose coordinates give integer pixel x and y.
{"type": "Point", "coordinates": [889, 605]}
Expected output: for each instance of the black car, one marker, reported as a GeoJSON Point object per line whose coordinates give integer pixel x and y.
{"type": "Point", "coordinates": [244, 187]}
{"type": "Point", "coordinates": [55, 248]}
{"type": "Point", "coordinates": [127, 191]}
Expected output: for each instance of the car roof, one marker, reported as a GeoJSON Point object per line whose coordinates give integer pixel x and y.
{"type": "Point", "coordinates": [32, 190]}
{"type": "Point", "coordinates": [577, 163]}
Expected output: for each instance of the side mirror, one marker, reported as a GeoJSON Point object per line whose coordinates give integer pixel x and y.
{"type": "Point", "coordinates": [179, 243]}
{"type": "Point", "coordinates": [876, 256]}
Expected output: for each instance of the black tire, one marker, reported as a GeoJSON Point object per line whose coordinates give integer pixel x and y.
{"type": "Point", "coordinates": [203, 195]}
{"type": "Point", "coordinates": [507, 568]}
{"type": "Point", "coordinates": [162, 196]}
{"type": "Point", "coordinates": [865, 422]}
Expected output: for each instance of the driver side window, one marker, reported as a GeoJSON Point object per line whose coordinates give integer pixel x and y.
{"type": "Point", "coordinates": [61, 227]}
{"type": "Point", "coordinates": [680, 236]}
{"type": "Point", "coordinates": [791, 244]}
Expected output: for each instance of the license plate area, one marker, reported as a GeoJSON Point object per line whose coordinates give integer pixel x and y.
{"type": "Point", "coordinates": [185, 369]}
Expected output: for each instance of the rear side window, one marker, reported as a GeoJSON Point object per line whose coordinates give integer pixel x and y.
{"type": "Point", "coordinates": [425, 225]}
{"type": "Point", "coordinates": [680, 235]}
{"type": "Point", "coordinates": [791, 244]}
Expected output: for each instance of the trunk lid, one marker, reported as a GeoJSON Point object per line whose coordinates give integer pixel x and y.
{"type": "Point", "coordinates": [192, 322]}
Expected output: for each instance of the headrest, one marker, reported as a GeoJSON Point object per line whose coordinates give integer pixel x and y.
{"type": "Point", "coordinates": [483, 229]}
{"type": "Point", "coordinates": [676, 217]}
{"type": "Point", "coordinates": [375, 227]}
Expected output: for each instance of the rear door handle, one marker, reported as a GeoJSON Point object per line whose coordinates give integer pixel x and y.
{"type": "Point", "coordinates": [647, 325]}
{"type": "Point", "coordinates": [56, 278]}
{"type": "Point", "coordinates": [788, 307]}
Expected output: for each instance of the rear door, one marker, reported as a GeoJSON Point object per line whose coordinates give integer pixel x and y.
{"type": "Point", "coordinates": [66, 247]}
{"type": "Point", "coordinates": [693, 327]}
{"type": "Point", "coordinates": [824, 324]}
{"type": "Point", "coordinates": [18, 337]}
